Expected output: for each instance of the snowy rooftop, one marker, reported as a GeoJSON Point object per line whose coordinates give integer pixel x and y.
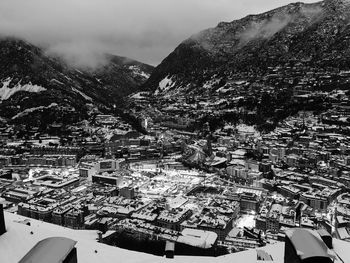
{"type": "Point", "coordinates": [18, 240]}
{"type": "Point", "coordinates": [198, 238]}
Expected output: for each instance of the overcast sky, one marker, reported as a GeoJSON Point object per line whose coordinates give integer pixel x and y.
{"type": "Point", "coordinates": [146, 30]}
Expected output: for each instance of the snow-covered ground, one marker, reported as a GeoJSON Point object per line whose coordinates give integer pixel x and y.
{"type": "Point", "coordinates": [177, 202]}
{"type": "Point", "coordinates": [6, 92]}
{"type": "Point", "coordinates": [242, 128]}
{"type": "Point", "coordinates": [137, 71]}
{"type": "Point", "coordinates": [143, 166]}
{"type": "Point", "coordinates": [43, 142]}
{"type": "Point", "coordinates": [139, 95]}
{"type": "Point", "coordinates": [82, 94]}
{"type": "Point", "coordinates": [30, 110]}
{"type": "Point", "coordinates": [209, 84]}
{"type": "Point", "coordinates": [164, 85]}
{"type": "Point", "coordinates": [106, 132]}
{"type": "Point", "coordinates": [57, 81]}
{"type": "Point", "coordinates": [246, 221]}
{"type": "Point", "coordinates": [20, 238]}
{"type": "Point", "coordinates": [198, 238]}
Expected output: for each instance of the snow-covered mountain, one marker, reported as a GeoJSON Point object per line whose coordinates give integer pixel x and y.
{"type": "Point", "coordinates": [288, 39]}
{"type": "Point", "coordinates": [35, 85]}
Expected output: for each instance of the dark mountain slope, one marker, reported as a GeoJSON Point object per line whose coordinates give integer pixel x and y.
{"type": "Point", "coordinates": [316, 35]}
{"type": "Point", "coordinates": [34, 84]}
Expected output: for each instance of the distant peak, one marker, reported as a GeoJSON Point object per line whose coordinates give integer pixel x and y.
{"type": "Point", "coordinates": [337, 8]}
{"type": "Point", "coordinates": [336, 3]}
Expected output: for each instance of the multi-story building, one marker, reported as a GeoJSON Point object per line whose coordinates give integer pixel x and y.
{"type": "Point", "coordinates": [74, 218]}
{"type": "Point", "coordinates": [109, 165]}
{"type": "Point", "coordinates": [58, 214]}
{"type": "Point", "coordinates": [249, 202]}
{"type": "Point", "coordinates": [289, 191]}
{"type": "Point", "coordinates": [127, 192]}
{"type": "Point", "coordinates": [292, 160]}
{"type": "Point", "coordinates": [273, 222]}
{"type": "Point", "coordinates": [314, 200]}
{"type": "Point", "coordinates": [214, 220]}
{"type": "Point", "coordinates": [173, 219]}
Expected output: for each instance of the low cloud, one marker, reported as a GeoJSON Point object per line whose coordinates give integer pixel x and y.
{"type": "Point", "coordinates": [268, 27]}
{"type": "Point", "coordinates": [265, 28]}
{"type": "Point", "coordinates": [311, 11]}
{"type": "Point", "coordinates": [82, 31]}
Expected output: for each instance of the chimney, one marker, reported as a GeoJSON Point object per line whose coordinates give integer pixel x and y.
{"type": "Point", "coordinates": [169, 249]}
{"type": "Point", "coordinates": [2, 220]}
{"type": "Point", "coordinates": [326, 237]}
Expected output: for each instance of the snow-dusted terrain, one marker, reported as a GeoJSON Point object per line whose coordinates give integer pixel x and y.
{"type": "Point", "coordinates": [164, 85]}
{"type": "Point", "coordinates": [30, 110]}
{"type": "Point", "coordinates": [138, 72]}
{"type": "Point", "coordinates": [20, 238]}
{"type": "Point", "coordinates": [6, 92]}
{"type": "Point", "coordinates": [82, 94]}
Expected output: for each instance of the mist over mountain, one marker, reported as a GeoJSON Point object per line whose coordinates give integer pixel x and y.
{"type": "Point", "coordinates": [316, 35]}
{"type": "Point", "coordinates": [41, 88]}
{"type": "Point", "coordinates": [82, 31]}
{"type": "Point", "coordinates": [295, 38]}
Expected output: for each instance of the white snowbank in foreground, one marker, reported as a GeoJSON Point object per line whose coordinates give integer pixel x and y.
{"type": "Point", "coordinates": [20, 238]}
{"type": "Point", "coordinates": [6, 92]}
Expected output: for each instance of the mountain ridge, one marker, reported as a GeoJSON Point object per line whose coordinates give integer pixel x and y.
{"type": "Point", "coordinates": [31, 79]}
{"type": "Point", "coordinates": [315, 34]}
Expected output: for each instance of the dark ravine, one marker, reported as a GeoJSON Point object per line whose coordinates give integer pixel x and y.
{"type": "Point", "coordinates": [68, 93]}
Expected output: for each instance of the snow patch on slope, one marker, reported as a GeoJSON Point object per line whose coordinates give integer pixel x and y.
{"type": "Point", "coordinates": [210, 83]}
{"type": "Point", "coordinates": [138, 72]}
{"type": "Point", "coordinates": [6, 92]}
{"type": "Point", "coordinates": [30, 110]}
{"type": "Point", "coordinates": [166, 84]}
{"type": "Point", "coordinates": [82, 94]}
{"type": "Point", "coordinates": [139, 95]}
{"type": "Point", "coordinates": [57, 81]}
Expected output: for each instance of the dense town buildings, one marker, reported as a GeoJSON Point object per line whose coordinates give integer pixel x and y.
{"type": "Point", "coordinates": [171, 181]}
